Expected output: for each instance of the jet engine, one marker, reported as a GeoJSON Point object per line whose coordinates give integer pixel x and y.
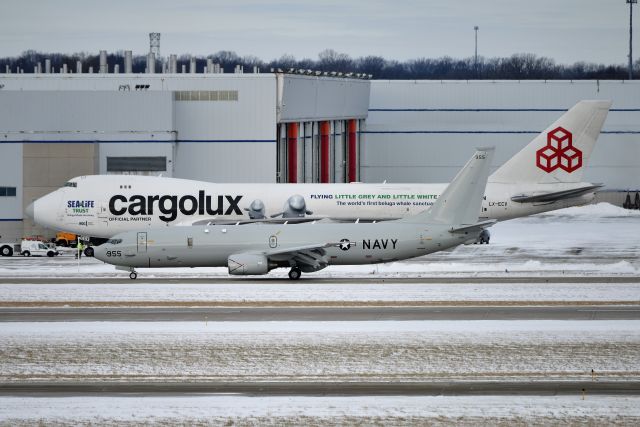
{"type": "Point", "coordinates": [247, 264]}
{"type": "Point", "coordinates": [256, 210]}
{"type": "Point", "coordinates": [295, 207]}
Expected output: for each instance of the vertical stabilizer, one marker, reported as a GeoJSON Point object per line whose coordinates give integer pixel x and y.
{"type": "Point", "coordinates": [561, 152]}
{"type": "Point", "coordinates": [460, 202]}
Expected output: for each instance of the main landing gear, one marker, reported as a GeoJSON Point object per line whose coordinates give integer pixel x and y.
{"type": "Point", "coordinates": [295, 273]}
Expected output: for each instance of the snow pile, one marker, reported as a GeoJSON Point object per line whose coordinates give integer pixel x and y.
{"type": "Point", "coordinates": [593, 212]}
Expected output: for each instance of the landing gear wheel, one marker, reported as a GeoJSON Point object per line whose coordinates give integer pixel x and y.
{"type": "Point", "coordinates": [295, 273]}
{"type": "Point", "coordinates": [88, 252]}
{"type": "Point", "coordinates": [133, 275]}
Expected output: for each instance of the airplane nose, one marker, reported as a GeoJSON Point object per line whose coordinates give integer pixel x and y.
{"type": "Point", "coordinates": [98, 252]}
{"type": "Point", "coordinates": [29, 211]}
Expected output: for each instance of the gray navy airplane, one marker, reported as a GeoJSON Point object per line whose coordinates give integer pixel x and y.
{"type": "Point", "coordinates": [254, 249]}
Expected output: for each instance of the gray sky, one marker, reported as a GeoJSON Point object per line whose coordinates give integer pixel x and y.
{"type": "Point", "coordinates": [565, 30]}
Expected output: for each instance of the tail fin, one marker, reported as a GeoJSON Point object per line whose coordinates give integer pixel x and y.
{"type": "Point", "coordinates": [561, 152]}
{"type": "Point", "coordinates": [460, 202]}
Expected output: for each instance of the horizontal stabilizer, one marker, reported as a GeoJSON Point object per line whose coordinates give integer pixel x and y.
{"type": "Point", "coordinates": [556, 195]}
{"type": "Point", "coordinates": [473, 227]}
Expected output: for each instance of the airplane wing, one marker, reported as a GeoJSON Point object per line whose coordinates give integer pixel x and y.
{"type": "Point", "coordinates": [243, 221]}
{"type": "Point", "coordinates": [300, 220]}
{"type": "Point", "coordinates": [473, 227]}
{"type": "Point", "coordinates": [556, 195]}
{"type": "Point", "coordinates": [311, 257]}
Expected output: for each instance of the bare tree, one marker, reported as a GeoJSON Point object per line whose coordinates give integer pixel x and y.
{"type": "Point", "coordinates": [518, 66]}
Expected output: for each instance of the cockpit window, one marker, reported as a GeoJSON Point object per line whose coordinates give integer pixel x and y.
{"type": "Point", "coordinates": [114, 241]}
{"type": "Point", "coordinates": [70, 184]}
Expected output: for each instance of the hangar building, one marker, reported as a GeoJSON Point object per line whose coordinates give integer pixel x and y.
{"type": "Point", "coordinates": [216, 127]}
{"type": "Point", "coordinates": [422, 131]}
{"type": "Point", "coordinates": [280, 127]}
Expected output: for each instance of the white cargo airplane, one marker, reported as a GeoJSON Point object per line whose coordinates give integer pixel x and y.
{"type": "Point", "coordinates": [545, 175]}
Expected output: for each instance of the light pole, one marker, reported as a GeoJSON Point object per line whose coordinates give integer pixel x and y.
{"type": "Point", "coordinates": [476, 28]}
{"type": "Point", "coordinates": [631, 2]}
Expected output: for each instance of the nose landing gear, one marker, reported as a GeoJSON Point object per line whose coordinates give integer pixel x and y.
{"type": "Point", "coordinates": [295, 273]}
{"type": "Point", "coordinates": [133, 275]}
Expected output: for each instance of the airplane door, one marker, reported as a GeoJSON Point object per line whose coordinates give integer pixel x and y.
{"type": "Point", "coordinates": [102, 210]}
{"type": "Point", "coordinates": [142, 242]}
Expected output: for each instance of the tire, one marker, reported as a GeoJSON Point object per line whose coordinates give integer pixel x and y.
{"type": "Point", "coordinates": [51, 254]}
{"type": "Point", "coordinates": [295, 273]}
{"type": "Point", "coordinates": [26, 253]}
{"type": "Point", "coordinates": [6, 251]}
{"type": "Point", "coordinates": [133, 275]}
{"type": "Point", "coordinates": [88, 252]}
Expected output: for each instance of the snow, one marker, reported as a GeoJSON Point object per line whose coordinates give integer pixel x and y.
{"type": "Point", "coordinates": [320, 410]}
{"type": "Point", "coordinates": [469, 329]}
{"type": "Point", "coordinates": [319, 350]}
{"type": "Point", "coordinates": [264, 292]}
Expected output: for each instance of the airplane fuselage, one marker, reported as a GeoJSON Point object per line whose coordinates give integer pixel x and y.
{"type": "Point", "coordinates": [102, 206]}
{"type": "Point", "coordinates": [211, 246]}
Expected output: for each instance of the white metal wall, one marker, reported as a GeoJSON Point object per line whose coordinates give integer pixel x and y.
{"type": "Point", "coordinates": [228, 141]}
{"type": "Point", "coordinates": [424, 131]}
{"type": "Point", "coordinates": [85, 116]}
{"type": "Point", "coordinates": [11, 176]}
{"type": "Point", "coordinates": [306, 98]}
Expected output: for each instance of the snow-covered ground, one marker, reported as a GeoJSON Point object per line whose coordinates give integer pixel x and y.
{"type": "Point", "coordinates": [320, 411]}
{"type": "Point", "coordinates": [589, 240]}
{"type": "Point", "coordinates": [319, 351]}
{"type": "Point", "coordinates": [600, 240]}
{"type": "Point", "coordinates": [265, 292]}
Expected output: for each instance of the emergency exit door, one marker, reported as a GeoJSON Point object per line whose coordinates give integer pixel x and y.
{"type": "Point", "coordinates": [142, 242]}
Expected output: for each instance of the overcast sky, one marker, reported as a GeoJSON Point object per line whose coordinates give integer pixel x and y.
{"type": "Point", "coordinates": [565, 30]}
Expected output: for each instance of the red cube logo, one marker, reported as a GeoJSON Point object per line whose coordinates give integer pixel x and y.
{"type": "Point", "coordinates": [559, 152]}
{"type": "Point", "coordinates": [547, 159]}
{"type": "Point", "coordinates": [570, 159]}
{"type": "Point", "coordinates": [560, 139]}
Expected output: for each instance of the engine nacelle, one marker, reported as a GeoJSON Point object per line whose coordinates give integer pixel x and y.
{"type": "Point", "coordinates": [295, 207]}
{"type": "Point", "coordinates": [247, 264]}
{"type": "Point", "coordinates": [256, 210]}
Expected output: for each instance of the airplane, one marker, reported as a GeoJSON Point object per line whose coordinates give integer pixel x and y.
{"type": "Point", "coordinates": [545, 175]}
{"type": "Point", "coordinates": [257, 248]}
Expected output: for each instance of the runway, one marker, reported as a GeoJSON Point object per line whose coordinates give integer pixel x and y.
{"type": "Point", "coordinates": [438, 388]}
{"type": "Point", "coordinates": [309, 279]}
{"type": "Point", "coordinates": [271, 314]}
